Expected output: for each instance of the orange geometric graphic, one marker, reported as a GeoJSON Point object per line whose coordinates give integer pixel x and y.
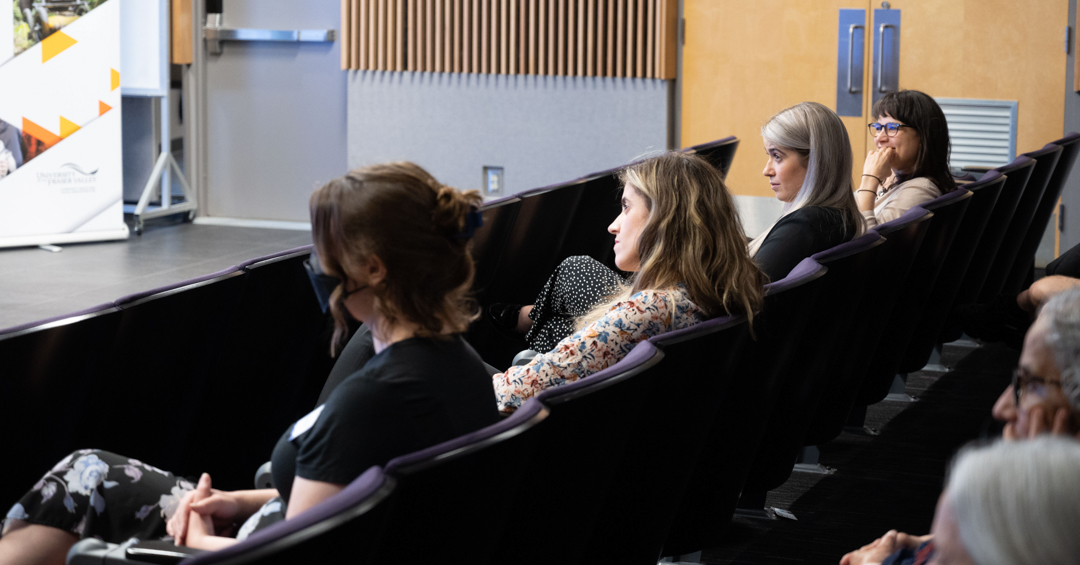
{"type": "Point", "coordinates": [115, 79]}
{"type": "Point", "coordinates": [41, 134]}
{"type": "Point", "coordinates": [102, 108]}
{"type": "Point", "coordinates": [67, 127]}
{"type": "Point", "coordinates": [55, 44]}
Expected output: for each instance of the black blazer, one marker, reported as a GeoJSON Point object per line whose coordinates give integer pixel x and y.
{"type": "Point", "coordinates": [800, 234]}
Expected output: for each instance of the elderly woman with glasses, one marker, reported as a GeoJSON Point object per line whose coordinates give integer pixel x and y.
{"type": "Point", "coordinates": [911, 163]}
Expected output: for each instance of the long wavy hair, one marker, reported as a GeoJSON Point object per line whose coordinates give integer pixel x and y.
{"type": "Point", "coordinates": [692, 236]}
{"type": "Point", "coordinates": [922, 113]}
{"type": "Point", "coordinates": [817, 135]}
{"type": "Point", "coordinates": [416, 227]}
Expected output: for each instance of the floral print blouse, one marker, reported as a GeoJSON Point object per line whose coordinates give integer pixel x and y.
{"type": "Point", "coordinates": [599, 345]}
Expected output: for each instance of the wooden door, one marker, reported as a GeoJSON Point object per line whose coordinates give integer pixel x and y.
{"type": "Point", "coordinates": [745, 60]}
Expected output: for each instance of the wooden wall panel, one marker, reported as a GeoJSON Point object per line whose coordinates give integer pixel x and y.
{"type": "Point", "coordinates": [623, 38]}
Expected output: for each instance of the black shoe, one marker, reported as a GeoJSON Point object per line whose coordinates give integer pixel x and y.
{"type": "Point", "coordinates": [505, 317]}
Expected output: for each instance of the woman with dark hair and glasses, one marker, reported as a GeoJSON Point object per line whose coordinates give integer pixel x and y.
{"type": "Point", "coordinates": [911, 163]}
{"type": "Point", "coordinates": [397, 241]}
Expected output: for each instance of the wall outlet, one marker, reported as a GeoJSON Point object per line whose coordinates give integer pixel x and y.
{"type": "Point", "coordinates": [493, 181]}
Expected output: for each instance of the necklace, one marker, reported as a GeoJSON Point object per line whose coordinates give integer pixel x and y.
{"type": "Point", "coordinates": [881, 192]}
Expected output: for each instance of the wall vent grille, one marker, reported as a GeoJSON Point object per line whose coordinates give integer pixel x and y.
{"type": "Point", "coordinates": [982, 132]}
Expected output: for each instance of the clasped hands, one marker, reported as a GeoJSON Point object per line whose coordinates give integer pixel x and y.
{"type": "Point", "coordinates": [202, 513]}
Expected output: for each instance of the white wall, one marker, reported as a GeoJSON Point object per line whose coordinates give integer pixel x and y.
{"type": "Point", "coordinates": [541, 129]}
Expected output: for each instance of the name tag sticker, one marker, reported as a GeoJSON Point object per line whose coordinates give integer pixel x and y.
{"type": "Point", "coordinates": [304, 424]}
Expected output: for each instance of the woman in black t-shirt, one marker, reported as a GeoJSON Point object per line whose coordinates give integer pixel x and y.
{"type": "Point", "coordinates": [396, 241]}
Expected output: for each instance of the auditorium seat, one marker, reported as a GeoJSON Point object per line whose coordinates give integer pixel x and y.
{"type": "Point", "coordinates": [1016, 175]}
{"type": "Point", "coordinates": [972, 250]}
{"type": "Point", "coordinates": [820, 348]}
{"type": "Point", "coordinates": [894, 258]}
{"type": "Point", "coordinates": [720, 152]}
{"type": "Point", "coordinates": [349, 523]}
{"type": "Point", "coordinates": [1021, 273]}
{"type": "Point", "coordinates": [1046, 160]}
{"type": "Point", "coordinates": [914, 293]}
{"type": "Point", "coordinates": [680, 397]}
{"type": "Point", "coordinates": [743, 413]}
{"type": "Point", "coordinates": [579, 452]}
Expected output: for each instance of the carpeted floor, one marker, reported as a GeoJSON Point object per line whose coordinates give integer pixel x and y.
{"type": "Point", "coordinates": [891, 480]}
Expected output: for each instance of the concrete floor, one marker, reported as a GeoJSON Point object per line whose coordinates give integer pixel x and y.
{"type": "Point", "coordinates": [36, 284]}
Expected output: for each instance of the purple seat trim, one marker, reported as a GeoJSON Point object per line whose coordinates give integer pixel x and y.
{"type": "Point", "coordinates": [856, 245]}
{"type": "Point", "coordinates": [251, 262]}
{"type": "Point", "coordinates": [521, 417]}
{"type": "Point", "coordinates": [1048, 148]}
{"type": "Point", "coordinates": [914, 213]}
{"type": "Point", "coordinates": [1019, 161]}
{"type": "Point", "coordinates": [357, 492]}
{"type": "Point", "coordinates": [707, 327]}
{"type": "Point", "coordinates": [1069, 138]}
{"type": "Point", "coordinates": [641, 353]}
{"type": "Point", "coordinates": [80, 313]}
{"type": "Point", "coordinates": [126, 300]}
{"type": "Point", "coordinates": [806, 270]}
{"type": "Point", "coordinates": [947, 198]}
{"type": "Point", "coordinates": [990, 176]}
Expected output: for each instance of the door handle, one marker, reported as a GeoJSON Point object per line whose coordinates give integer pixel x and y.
{"type": "Point", "coordinates": [881, 55]}
{"type": "Point", "coordinates": [851, 56]}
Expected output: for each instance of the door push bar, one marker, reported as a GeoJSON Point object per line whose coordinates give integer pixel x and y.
{"type": "Point", "coordinates": [215, 34]}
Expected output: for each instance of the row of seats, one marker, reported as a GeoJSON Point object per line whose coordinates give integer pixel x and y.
{"type": "Point", "coordinates": [527, 235]}
{"type": "Point", "coordinates": [647, 457]}
{"type": "Point", "coordinates": [198, 375]}
{"type": "Point", "coordinates": [652, 455]}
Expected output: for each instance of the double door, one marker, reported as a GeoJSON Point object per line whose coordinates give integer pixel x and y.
{"type": "Point", "coordinates": [745, 60]}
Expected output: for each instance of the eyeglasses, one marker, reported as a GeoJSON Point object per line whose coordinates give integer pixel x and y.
{"type": "Point", "coordinates": [1023, 381]}
{"type": "Point", "coordinates": [889, 128]}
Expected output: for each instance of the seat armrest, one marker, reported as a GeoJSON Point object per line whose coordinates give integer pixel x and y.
{"type": "Point", "coordinates": [162, 552]}
{"type": "Point", "coordinates": [92, 551]}
{"type": "Point", "coordinates": [976, 169]}
{"type": "Point", "coordinates": [263, 477]}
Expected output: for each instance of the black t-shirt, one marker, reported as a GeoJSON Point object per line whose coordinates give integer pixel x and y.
{"type": "Point", "coordinates": [800, 234]}
{"type": "Point", "coordinates": [414, 394]}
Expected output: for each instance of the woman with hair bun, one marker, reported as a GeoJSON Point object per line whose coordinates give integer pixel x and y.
{"type": "Point", "coordinates": [809, 169]}
{"type": "Point", "coordinates": [911, 163]}
{"type": "Point", "coordinates": [397, 242]}
{"type": "Point", "coordinates": [680, 235]}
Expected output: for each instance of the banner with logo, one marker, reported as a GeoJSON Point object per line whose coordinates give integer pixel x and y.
{"type": "Point", "coordinates": [60, 130]}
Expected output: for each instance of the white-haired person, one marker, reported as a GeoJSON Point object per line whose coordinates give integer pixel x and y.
{"type": "Point", "coordinates": [1045, 393]}
{"type": "Point", "coordinates": [1008, 503]}
{"type": "Point", "coordinates": [809, 169]}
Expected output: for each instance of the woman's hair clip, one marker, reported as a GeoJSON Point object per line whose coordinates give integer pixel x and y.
{"type": "Point", "coordinates": [473, 220]}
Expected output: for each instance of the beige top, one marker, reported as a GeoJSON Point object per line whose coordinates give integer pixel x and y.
{"type": "Point", "coordinates": [900, 199]}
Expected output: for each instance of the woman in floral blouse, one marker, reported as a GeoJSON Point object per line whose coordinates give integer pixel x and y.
{"type": "Point", "coordinates": [680, 235]}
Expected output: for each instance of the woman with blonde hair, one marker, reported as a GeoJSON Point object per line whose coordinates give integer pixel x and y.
{"type": "Point", "coordinates": [809, 169]}
{"type": "Point", "coordinates": [680, 236]}
{"type": "Point", "coordinates": [396, 241]}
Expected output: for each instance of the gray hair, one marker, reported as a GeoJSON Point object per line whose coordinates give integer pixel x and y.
{"type": "Point", "coordinates": [817, 134]}
{"type": "Point", "coordinates": [1061, 314]}
{"type": "Point", "coordinates": [1015, 502]}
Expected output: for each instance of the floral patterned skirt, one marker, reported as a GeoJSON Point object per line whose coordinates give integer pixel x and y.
{"type": "Point", "coordinates": [93, 493]}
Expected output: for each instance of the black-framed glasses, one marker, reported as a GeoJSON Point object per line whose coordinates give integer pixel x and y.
{"type": "Point", "coordinates": [1022, 381]}
{"type": "Point", "coordinates": [890, 128]}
